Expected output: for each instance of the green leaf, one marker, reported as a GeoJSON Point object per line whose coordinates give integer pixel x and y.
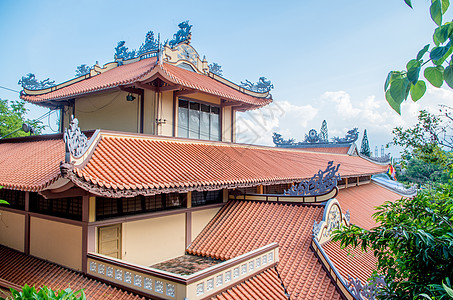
{"type": "Point", "coordinates": [396, 106]}
{"type": "Point", "coordinates": [438, 52]}
{"type": "Point", "coordinates": [435, 75]}
{"type": "Point", "coordinates": [413, 70]}
{"type": "Point", "coordinates": [440, 61]}
{"type": "Point", "coordinates": [422, 52]}
{"type": "Point", "coordinates": [408, 2]}
{"type": "Point", "coordinates": [418, 90]}
{"type": "Point", "coordinates": [448, 290]}
{"type": "Point", "coordinates": [398, 89]}
{"type": "Point", "coordinates": [445, 5]}
{"type": "Point", "coordinates": [436, 12]}
{"type": "Point", "coordinates": [448, 76]}
{"type": "Point", "coordinates": [387, 81]}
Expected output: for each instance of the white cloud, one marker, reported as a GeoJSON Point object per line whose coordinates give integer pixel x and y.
{"type": "Point", "coordinates": [342, 112]}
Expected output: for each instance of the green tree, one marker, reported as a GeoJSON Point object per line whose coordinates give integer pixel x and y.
{"type": "Point", "coordinates": [12, 116]}
{"type": "Point", "coordinates": [413, 243]}
{"type": "Point", "coordinates": [365, 148]}
{"type": "Point", "coordinates": [435, 61]}
{"type": "Point", "coordinates": [44, 293]}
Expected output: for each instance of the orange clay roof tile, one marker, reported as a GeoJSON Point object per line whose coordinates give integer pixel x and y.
{"type": "Point", "coordinates": [160, 163]}
{"type": "Point", "coordinates": [351, 262]}
{"type": "Point", "coordinates": [20, 269]}
{"type": "Point", "coordinates": [242, 226]}
{"type": "Point", "coordinates": [31, 165]}
{"type": "Point", "coordinates": [362, 200]}
{"type": "Point", "coordinates": [128, 74]}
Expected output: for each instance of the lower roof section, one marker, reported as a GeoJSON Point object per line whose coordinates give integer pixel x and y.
{"type": "Point", "coordinates": [123, 165]}
{"type": "Point", "coordinates": [361, 201]}
{"type": "Point", "coordinates": [242, 226]}
{"type": "Point", "coordinates": [20, 269]}
{"type": "Point", "coordinates": [266, 285]}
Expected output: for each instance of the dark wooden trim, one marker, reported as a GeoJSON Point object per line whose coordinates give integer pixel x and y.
{"type": "Point", "coordinates": [131, 90]}
{"type": "Point", "coordinates": [185, 92]}
{"type": "Point", "coordinates": [74, 192]}
{"type": "Point", "coordinates": [84, 247]}
{"type": "Point", "coordinates": [27, 224]}
{"type": "Point", "coordinates": [188, 228]}
{"type": "Point", "coordinates": [41, 216]}
{"type": "Point", "coordinates": [61, 129]}
{"type": "Point", "coordinates": [142, 110]}
{"type": "Point", "coordinates": [232, 124]}
{"type": "Point", "coordinates": [85, 208]}
{"type": "Point", "coordinates": [145, 86]}
{"type": "Point", "coordinates": [169, 88]}
{"type": "Point", "coordinates": [222, 126]}
{"type": "Point", "coordinates": [175, 113]}
{"type": "Point", "coordinates": [8, 284]}
{"type": "Point", "coordinates": [156, 214]}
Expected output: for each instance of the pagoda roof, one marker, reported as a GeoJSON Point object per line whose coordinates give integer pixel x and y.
{"type": "Point", "coordinates": [141, 73]}
{"type": "Point", "coordinates": [125, 165]}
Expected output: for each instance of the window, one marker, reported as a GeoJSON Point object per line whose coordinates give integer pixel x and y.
{"type": "Point", "coordinates": [198, 121]}
{"type": "Point", "coordinates": [16, 199]}
{"type": "Point", "coordinates": [206, 197]}
{"type": "Point", "coordinates": [69, 208]}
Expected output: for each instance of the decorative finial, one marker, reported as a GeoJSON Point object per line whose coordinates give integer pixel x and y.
{"type": "Point", "coordinates": [75, 140]}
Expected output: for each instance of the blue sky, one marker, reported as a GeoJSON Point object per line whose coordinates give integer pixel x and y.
{"type": "Point", "coordinates": [327, 59]}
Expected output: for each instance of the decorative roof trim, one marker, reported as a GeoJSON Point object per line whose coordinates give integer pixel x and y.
{"type": "Point", "coordinates": [320, 184]}
{"type": "Point", "coordinates": [401, 190]}
{"type": "Point", "coordinates": [333, 218]}
{"type": "Point", "coordinates": [240, 88]}
{"type": "Point", "coordinates": [382, 160]}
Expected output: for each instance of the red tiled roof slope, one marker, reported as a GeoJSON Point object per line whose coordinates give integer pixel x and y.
{"type": "Point", "coordinates": [242, 226]}
{"type": "Point", "coordinates": [265, 285]}
{"type": "Point", "coordinates": [128, 74]}
{"type": "Point", "coordinates": [337, 150]}
{"type": "Point", "coordinates": [352, 262]}
{"type": "Point", "coordinates": [32, 165]}
{"type": "Point", "coordinates": [137, 162]}
{"type": "Point", "coordinates": [362, 200]}
{"type": "Point", "coordinates": [117, 76]}
{"type": "Point", "coordinates": [21, 269]}
{"type": "Point", "coordinates": [208, 85]}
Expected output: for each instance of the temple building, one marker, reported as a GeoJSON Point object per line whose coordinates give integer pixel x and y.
{"type": "Point", "coordinates": [145, 194]}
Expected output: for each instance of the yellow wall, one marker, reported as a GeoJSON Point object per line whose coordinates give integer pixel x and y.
{"type": "Point", "coordinates": [200, 219]}
{"type": "Point", "coordinates": [147, 242]}
{"type": "Point", "coordinates": [12, 230]}
{"type": "Point", "coordinates": [165, 112]}
{"type": "Point", "coordinates": [57, 242]}
{"type": "Point", "coordinates": [149, 115]}
{"type": "Point", "coordinates": [107, 111]}
{"type": "Point", "coordinates": [226, 124]}
{"type": "Point", "coordinates": [203, 97]}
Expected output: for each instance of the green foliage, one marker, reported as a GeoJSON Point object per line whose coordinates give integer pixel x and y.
{"type": "Point", "coordinates": [400, 84]}
{"type": "Point", "coordinates": [365, 148]}
{"type": "Point", "coordinates": [12, 116]}
{"type": "Point", "coordinates": [413, 243]}
{"type": "Point", "coordinates": [45, 293]}
{"type": "Point", "coordinates": [3, 201]}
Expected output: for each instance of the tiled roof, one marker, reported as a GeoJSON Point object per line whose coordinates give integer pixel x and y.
{"type": "Point", "coordinates": [242, 226]}
{"type": "Point", "coordinates": [20, 269]}
{"type": "Point", "coordinates": [208, 85]}
{"type": "Point", "coordinates": [30, 164]}
{"type": "Point", "coordinates": [337, 150]}
{"type": "Point", "coordinates": [128, 74]}
{"type": "Point", "coordinates": [362, 200]}
{"type": "Point", "coordinates": [121, 75]}
{"type": "Point", "coordinates": [352, 262]}
{"type": "Point", "coordinates": [156, 163]}
{"type": "Point", "coordinates": [265, 285]}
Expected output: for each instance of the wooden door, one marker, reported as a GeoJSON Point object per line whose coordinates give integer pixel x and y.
{"type": "Point", "coordinates": [109, 240]}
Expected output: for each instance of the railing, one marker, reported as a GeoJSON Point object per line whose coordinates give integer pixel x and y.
{"type": "Point", "coordinates": [162, 284]}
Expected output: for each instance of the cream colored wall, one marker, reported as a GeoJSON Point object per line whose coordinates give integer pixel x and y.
{"type": "Point", "coordinates": [203, 97]}
{"type": "Point", "coordinates": [57, 242]}
{"type": "Point", "coordinates": [149, 116]}
{"type": "Point", "coordinates": [147, 242]}
{"type": "Point", "coordinates": [226, 124]}
{"type": "Point", "coordinates": [200, 219]}
{"type": "Point", "coordinates": [107, 111]}
{"type": "Point", "coordinates": [12, 230]}
{"type": "Point", "coordinates": [165, 112]}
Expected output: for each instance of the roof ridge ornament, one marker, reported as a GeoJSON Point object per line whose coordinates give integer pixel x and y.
{"type": "Point", "coordinates": [76, 142]}
{"type": "Point", "coordinates": [319, 184]}
{"type": "Point", "coordinates": [313, 138]}
{"type": "Point", "coordinates": [183, 35]}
